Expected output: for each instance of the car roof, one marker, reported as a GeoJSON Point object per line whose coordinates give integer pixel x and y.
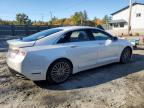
{"type": "Point", "coordinates": [75, 27]}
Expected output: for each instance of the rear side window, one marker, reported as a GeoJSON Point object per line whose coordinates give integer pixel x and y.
{"type": "Point", "coordinates": [78, 36]}
{"type": "Point", "coordinates": [41, 34]}
{"type": "Point", "coordinates": [75, 36]}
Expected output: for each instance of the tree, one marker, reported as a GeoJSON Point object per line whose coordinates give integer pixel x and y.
{"type": "Point", "coordinates": [68, 22]}
{"type": "Point", "coordinates": [39, 23]}
{"type": "Point", "coordinates": [5, 22]}
{"type": "Point", "coordinates": [57, 22]}
{"type": "Point", "coordinates": [22, 19]}
{"type": "Point", "coordinates": [98, 21]}
{"type": "Point", "coordinates": [106, 19]}
{"type": "Point", "coordinates": [79, 18]}
{"type": "Point", "coordinates": [95, 21]}
{"type": "Point", "coordinates": [89, 23]}
{"type": "Point", "coordinates": [85, 15]}
{"type": "Point", "coordinates": [76, 18]}
{"type": "Point", "coordinates": [53, 20]}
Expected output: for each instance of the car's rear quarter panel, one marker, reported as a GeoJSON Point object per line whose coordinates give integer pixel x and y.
{"type": "Point", "coordinates": [39, 58]}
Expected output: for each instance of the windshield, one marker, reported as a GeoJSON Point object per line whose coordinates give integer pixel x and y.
{"type": "Point", "coordinates": [41, 34]}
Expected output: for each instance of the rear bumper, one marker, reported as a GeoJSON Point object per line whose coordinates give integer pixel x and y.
{"type": "Point", "coordinates": [24, 69]}
{"type": "Point", "coordinates": [14, 65]}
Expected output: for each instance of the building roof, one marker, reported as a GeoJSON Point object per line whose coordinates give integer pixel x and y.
{"type": "Point", "coordinates": [117, 21]}
{"type": "Point", "coordinates": [126, 8]}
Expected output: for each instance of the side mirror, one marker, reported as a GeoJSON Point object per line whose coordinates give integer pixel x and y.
{"type": "Point", "coordinates": [115, 38]}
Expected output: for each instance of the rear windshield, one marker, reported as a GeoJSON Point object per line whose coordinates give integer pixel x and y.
{"type": "Point", "coordinates": [41, 34]}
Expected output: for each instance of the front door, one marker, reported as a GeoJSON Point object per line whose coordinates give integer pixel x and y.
{"type": "Point", "coordinates": [108, 49]}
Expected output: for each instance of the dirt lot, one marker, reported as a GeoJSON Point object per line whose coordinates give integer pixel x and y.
{"type": "Point", "coordinates": [112, 86]}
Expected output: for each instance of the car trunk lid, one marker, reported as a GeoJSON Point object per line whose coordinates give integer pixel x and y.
{"type": "Point", "coordinates": [18, 43]}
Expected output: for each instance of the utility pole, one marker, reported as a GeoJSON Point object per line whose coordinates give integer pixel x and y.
{"type": "Point", "coordinates": [129, 21]}
{"type": "Point", "coordinates": [42, 17]}
{"type": "Point", "coordinates": [81, 21]}
{"type": "Point", "coordinates": [51, 17]}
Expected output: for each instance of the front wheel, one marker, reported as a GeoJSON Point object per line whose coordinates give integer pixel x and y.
{"type": "Point", "coordinates": [59, 71]}
{"type": "Point", "coordinates": [126, 55]}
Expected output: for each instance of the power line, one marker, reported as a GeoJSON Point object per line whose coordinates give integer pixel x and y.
{"type": "Point", "coordinates": [42, 17]}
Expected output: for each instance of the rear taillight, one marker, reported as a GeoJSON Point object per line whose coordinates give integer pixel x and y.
{"type": "Point", "coordinates": [14, 51]}
{"type": "Point", "coordinates": [17, 52]}
{"type": "Point", "coordinates": [22, 53]}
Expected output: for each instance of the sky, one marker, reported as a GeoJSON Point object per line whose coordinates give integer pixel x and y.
{"type": "Point", "coordinates": [41, 9]}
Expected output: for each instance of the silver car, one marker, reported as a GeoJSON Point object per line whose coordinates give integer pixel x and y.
{"type": "Point", "coordinates": [57, 53]}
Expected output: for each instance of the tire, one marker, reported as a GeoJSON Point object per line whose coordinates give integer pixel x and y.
{"type": "Point", "coordinates": [59, 71]}
{"type": "Point", "coordinates": [126, 55]}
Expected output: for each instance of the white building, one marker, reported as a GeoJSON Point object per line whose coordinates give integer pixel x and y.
{"type": "Point", "coordinates": [120, 19]}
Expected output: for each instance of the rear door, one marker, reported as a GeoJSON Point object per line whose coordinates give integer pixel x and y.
{"type": "Point", "coordinates": [80, 47]}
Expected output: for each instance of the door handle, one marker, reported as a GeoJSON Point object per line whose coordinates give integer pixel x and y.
{"type": "Point", "coordinates": [74, 46]}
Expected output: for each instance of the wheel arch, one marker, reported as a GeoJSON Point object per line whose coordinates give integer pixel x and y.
{"type": "Point", "coordinates": [62, 58]}
{"type": "Point", "coordinates": [55, 62]}
{"type": "Point", "coordinates": [131, 49]}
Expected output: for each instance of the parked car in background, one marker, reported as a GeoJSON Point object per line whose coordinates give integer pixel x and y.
{"type": "Point", "coordinates": [135, 42]}
{"type": "Point", "coordinates": [56, 53]}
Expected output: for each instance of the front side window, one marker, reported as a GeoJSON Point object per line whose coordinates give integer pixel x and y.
{"type": "Point", "coordinates": [41, 34]}
{"type": "Point", "coordinates": [99, 35]}
{"type": "Point", "coordinates": [75, 36]}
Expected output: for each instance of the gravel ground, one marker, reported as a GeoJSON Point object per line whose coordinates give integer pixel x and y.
{"type": "Point", "coordinates": [112, 86]}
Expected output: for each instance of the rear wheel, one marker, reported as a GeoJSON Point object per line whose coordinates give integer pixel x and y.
{"type": "Point", "coordinates": [59, 71]}
{"type": "Point", "coordinates": [126, 55]}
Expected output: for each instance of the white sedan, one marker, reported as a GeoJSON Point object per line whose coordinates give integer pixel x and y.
{"type": "Point", "coordinates": [56, 53]}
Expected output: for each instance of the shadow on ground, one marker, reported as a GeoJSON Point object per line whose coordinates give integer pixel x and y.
{"type": "Point", "coordinates": [99, 75]}
{"type": "Point", "coordinates": [138, 48]}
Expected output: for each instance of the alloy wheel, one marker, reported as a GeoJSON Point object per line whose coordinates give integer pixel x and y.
{"type": "Point", "coordinates": [60, 72]}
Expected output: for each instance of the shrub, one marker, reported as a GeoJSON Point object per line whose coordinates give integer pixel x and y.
{"type": "Point", "coordinates": [137, 34]}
